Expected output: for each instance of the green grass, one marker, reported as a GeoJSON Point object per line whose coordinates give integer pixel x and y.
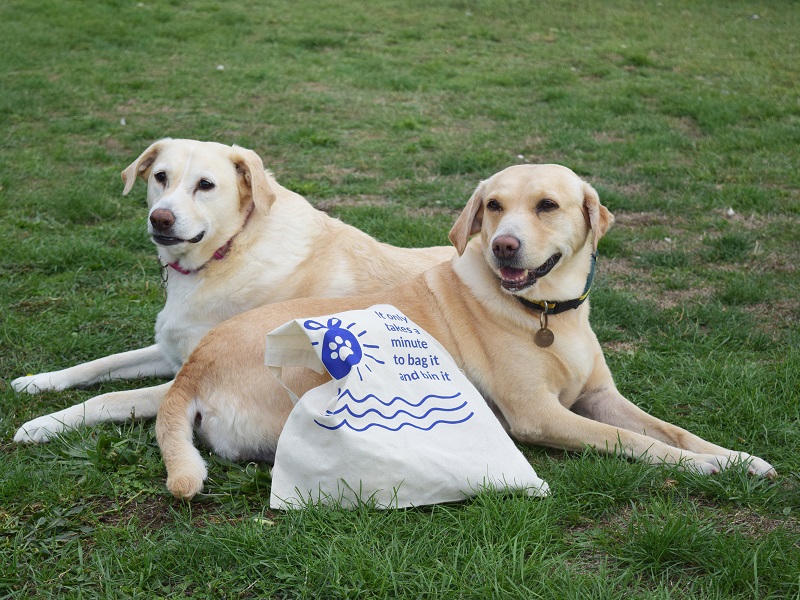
{"type": "Point", "coordinates": [388, 114]}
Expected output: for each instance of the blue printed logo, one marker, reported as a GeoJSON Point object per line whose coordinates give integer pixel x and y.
{"type": "Point", "coordinates": [341, 350]}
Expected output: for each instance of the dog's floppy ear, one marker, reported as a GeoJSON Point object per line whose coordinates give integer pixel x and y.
{"type": "Point", "coordinates": [253, 180]}
{"type": "Point", "coordinates": [141, 166]}
{"type": "Point", "coordinates": [600, 219]}
{"type": "Point", "coordinates": [469, 221]}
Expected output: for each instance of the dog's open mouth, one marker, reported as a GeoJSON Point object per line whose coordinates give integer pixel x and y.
{"type": "Point", "coordinates": [515, 280]}
{"type": "Point", "coordinates": [166, 240]}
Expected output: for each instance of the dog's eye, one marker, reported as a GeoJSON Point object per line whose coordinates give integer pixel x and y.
{"type": "Point", "coordinates": [546, 205]}
{"type": "Point", "coordinates": [160, 177]}
{"type": "Point", "coordinates": [493, 205]}
{"type": "Point", "coordinates": [205, 185]}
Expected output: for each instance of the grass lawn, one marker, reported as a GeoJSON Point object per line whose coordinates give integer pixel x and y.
{"type": "Point", "coordinates": [684, 115]}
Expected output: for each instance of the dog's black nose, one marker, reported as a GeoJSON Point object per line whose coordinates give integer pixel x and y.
{"type": "Point", "coordinates": [505, 246]}
{"type": "Point", "coordinates": [162, 219]}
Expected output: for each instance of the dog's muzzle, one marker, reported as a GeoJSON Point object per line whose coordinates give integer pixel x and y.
{"type": "Point", "coordinates": [166, 240]}
{"type": "Point", "coordinates": [161, 223]}
{"type": "Point", "coordinates": [515, 279]}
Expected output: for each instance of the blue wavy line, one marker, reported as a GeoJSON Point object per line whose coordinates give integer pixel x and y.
{"type": "Point", "coordinates": [389, 418]}
{"type": "Point", "coordinates": [395, 399]}
{"type": "Point", "coordinates": [398, 428]}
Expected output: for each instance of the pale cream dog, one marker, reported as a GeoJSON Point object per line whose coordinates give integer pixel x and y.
{"type": "Point", "coordinates": [545, 377]}
{"type": "Point", "coordinates": [229, 238]}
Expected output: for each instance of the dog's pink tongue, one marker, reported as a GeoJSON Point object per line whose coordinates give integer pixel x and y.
{"type": "Point", "coordinates": [513, 275]}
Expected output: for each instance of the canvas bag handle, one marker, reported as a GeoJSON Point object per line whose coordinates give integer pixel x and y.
{"type": "Point", "coordinates": [288, 346]}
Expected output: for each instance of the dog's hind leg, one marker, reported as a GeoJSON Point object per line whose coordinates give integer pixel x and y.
{"type": "Point", "coordinates": [142, 403]}
{"type": "Point", "coordinates": [186, 469]}
{"type": "Point", "coordinates": [135, 364]}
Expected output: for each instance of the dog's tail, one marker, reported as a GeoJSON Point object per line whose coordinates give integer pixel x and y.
{"type": "Point", "coordinates": [186, 469]}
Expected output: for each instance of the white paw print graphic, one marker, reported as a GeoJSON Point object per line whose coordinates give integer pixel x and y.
{"type": "Point", "coordinates": [340, 349]}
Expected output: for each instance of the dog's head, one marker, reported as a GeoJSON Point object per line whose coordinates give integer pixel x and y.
{"type": "Point", "coordinates": [198, 193]}
{"type": "Point", "coordinates": [533, 219]}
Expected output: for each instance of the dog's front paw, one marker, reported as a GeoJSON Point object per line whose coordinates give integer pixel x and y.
{"type": "Point", "coordinates": [761, 467]}
{"type": "Point", "coordinates": [185, 485]}
{"type": "Point", "coordinates": [41, 429]}
{"type": "Point", "coordinates": [706, 464]}
{"type": "Point", "coordinates": [755, 465]}
{"type": "Point", "coordinates": [713, 463]}
{"type": "Point", "coordinates": [33, 384]}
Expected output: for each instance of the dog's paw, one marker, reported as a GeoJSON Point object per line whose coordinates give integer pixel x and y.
{"type": "Point", "coordinates": [706, 464]}
{"type": "Point", "coordinates": [186, 485]}
{"type": "Point", "coordinates": [761, 467]}
{"type": "Point", "coordinates": [33, 384]}
{"type": "Point", "coordinates": [713, 463]}
{"type": "Point", "coordinates": [39, 430]}
{"type": "Point", "coordinates": [755, 465]}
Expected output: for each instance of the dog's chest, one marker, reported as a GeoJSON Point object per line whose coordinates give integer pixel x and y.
{"type": "Point", "coordinates": [571, 361]}
{"type": "Point", "coordinates": [562, 368]}
{"type": "Point", "coordinates": [193, 309]}
{"type": "Point", "coordinates": [177, 337]}
{"type": "Point", "coordinates": [510, 365]}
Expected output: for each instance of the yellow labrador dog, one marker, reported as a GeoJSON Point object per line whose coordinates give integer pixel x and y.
{"type": "Point", "coordinates": [229, 239]}
{"type": "Point", "coordinates": [511, 309]}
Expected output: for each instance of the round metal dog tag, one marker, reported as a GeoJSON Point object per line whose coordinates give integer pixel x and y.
{"type": "Point", "coordinates": [543, 338]}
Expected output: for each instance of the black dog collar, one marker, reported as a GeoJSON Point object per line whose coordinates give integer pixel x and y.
{"type": "Point", "coordinates": [554, 308]}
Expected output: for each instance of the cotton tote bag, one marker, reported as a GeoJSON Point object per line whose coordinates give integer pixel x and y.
{"type": "Point", "coordinates": [398, 425]}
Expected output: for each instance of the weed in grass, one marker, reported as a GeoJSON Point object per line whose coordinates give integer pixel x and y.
{"type": "Point", "coordinates": [310, 137]}
{"type": "Point", "coordinates": [310, 188]}
{"type": "Point", "coordinates": [593, 486]}
{"type": "Point", "coordinates": [661, 539]}
{"type": "Point", "coordinates": [679, 281]}
{"type": "Point", "coordinates": [730, 247]}
{"type": "Point", "coordinates": [472, 163]}
{"type": "Point", "coordinates": [672, 259]}
{"type": "Point", "coordinates": [745, 289]}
